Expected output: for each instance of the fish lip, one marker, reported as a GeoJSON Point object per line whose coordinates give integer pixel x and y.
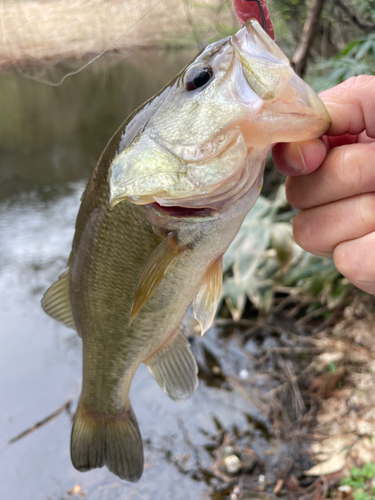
{"type": "Point", "coordinates": [179, 212]}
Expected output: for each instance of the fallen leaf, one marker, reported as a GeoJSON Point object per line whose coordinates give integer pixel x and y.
{"type": "Point", "coordinates": [77, 488]}
{"type": "Point", "coordinates": [333, 464]}
{"type": "Point", "coordinates": [363, 451]}
{"type": "Point", "coordinates": [333, 445]}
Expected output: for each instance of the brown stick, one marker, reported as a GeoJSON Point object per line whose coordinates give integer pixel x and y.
{"type": "Point", "coordinates": [30, 430]}
{"type": "Point", "coordinates": [299, 60]}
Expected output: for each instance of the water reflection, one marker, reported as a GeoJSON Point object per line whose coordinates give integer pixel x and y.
{"type": "Point", "coordinates": [50, 139]}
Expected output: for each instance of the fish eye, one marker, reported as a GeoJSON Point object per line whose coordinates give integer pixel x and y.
{"type": "Point", "coordinates": [197, 77]}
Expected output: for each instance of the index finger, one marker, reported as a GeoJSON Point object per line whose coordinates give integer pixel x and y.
{"type": "Point", "coordinates": [351, 106]}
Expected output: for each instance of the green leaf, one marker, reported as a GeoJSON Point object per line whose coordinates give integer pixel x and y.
{"type": "Point", "coordinates": [356, 473]}
{"type": "Point", "coordinates": [361, 495]}
{"type": "Point", "coordinates": [368, 470]}
{"type": "Point", "coordinates": [356, 484]}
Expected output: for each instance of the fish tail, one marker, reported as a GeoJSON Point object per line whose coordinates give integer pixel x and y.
{"type": "Point", "coordinates": [111, 440]}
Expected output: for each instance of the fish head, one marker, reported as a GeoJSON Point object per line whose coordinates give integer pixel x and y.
{"type": "Point", "coordinates": [203, 140]}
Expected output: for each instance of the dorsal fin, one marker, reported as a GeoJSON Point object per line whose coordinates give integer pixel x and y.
{"type": "Point", "coordinates": [161, 261]}
{"type": "Point", "coordinates": [56, 301]}
{"type": "Point", "coordinates": [174, 368]}
{"type": "Point", "coordinates": [207, 299]}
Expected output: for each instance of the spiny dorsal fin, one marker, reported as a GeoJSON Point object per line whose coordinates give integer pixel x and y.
{"type": "Point", "coordinates": [207, 299]}
{"type": "Point", "coordinates": [175, 369]}
{"type": "Point", "coordinates": [161, 261]}
{"type": "Point", "coordinates": [56, 301]}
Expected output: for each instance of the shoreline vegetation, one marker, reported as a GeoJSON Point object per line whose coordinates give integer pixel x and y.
{"type": "Point", "coordinates": [48, 32]}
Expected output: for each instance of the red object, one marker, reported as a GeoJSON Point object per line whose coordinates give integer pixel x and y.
{"type": "Point", "coordinates": [246, 10]}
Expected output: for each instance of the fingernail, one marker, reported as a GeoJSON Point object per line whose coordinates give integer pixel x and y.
{"type": "Point", "coordinates": [294, 158]}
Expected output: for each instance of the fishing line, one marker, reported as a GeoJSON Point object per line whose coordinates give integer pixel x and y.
{"type": "Point", "coordinates": [53, 84]}
{"type": "Point", "coordinates": [261, 13]}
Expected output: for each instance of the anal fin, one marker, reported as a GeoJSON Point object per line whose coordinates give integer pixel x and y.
{"type": "Point", "coordinates": [175, 369]}
{"type": "Point", "coordinates": [56, 301]}
{"type": "Point", "coordinates": [161, 261]}
{"type": "Point", "coordinates": [207, 299]}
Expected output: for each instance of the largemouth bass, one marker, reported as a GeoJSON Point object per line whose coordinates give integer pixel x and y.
{"type": "Point", "coordinates": [166, 199]}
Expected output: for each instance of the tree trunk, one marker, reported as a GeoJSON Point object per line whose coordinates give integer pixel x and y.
{"type": "Point", "coordinates": [299, 60]}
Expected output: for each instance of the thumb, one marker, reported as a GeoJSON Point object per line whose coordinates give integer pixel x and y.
{"type": "Point", "coordinates": [299, 158]}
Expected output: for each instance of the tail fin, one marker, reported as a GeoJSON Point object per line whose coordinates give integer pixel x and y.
{"type": "Point", "coordinates": [112, 441]}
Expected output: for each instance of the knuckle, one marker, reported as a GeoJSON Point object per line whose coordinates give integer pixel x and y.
{"type": "Point", "coordinates": [356, 83]}
{"type": "Point", "coordinates": [302, 231]}
{"type": "Point", "coordinates": [299, 232]}
{"type": "Point", "coordinates": [290, 192]}
{"type": "Point", "coordinates": [343, 263]}
{"type": "Point", "coordinates": [348, 166]}
{"type": "Point", "coordinates": [366, 210]}
{"type": "Point", "coordinates": [310, 232]}
{"type": "Point", "coordinates": [362, 82]}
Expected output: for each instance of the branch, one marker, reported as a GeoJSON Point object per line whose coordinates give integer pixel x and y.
{"type": "Point", "coordinates": [189, 18]}
{"type": "Point", "coordinates": [309, 31]}
{"type": "Point", "coordinates": [365, 27]}
{"type": "Point", "coordinates": [30, 430]}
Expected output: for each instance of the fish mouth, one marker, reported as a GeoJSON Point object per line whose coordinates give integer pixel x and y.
{"type": "Point", "coordinates": [178, 212]}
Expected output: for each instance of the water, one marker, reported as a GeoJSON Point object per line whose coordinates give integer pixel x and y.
{"type": "Point", "coordinates": [50, 140]}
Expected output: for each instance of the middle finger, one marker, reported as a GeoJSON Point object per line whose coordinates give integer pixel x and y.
{"type": "Point", "coordinates": [347, 171]}
{"type": "Point", "coordinates": [319, 230]}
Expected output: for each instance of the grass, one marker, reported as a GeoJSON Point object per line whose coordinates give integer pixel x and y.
{"type": "Point", "coordinates": [359, 482]}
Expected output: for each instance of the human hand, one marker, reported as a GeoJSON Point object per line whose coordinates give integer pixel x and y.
{"type": "Point", "coordinates": [332, 181]}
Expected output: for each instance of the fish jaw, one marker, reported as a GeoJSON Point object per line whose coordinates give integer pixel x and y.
{"type": "Point", "coordinates": [290, 110]}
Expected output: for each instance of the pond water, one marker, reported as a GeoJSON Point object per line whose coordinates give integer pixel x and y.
{"type": "Point", "coordinates": [50, 140]}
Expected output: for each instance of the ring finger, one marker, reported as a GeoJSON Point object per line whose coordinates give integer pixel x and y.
{"type": "Point", "coordinates": [319, 230]}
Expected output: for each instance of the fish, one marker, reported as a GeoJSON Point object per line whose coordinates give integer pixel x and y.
{"type": "Point", "coordinates": [167, 197]}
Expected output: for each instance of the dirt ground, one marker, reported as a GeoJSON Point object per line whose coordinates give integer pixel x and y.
{"type": "Point", "coordinates": [323, 402]}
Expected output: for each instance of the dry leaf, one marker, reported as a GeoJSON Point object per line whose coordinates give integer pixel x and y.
{"type": "Point", "coordinates": [363, 451]}
{"type": "Point", "coordinates": [77, 488]}
{"type": "Point", "coordinates": [334, 464]}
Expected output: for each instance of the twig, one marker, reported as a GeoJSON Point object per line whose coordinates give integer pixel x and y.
{"type": "Point", "coordinates": [280, 387]}
{"type": "Point", "coordinates": [234, 322]}
{"type": "Point", "coordinates": [311, 315]}
{"type": "Point", "coordinates": [310, 29]}
{"type": "Point", "coordinates": [247, 397]}
{"type": "Point", "coordinates": [189, 18]}
{"type": "Point", "coordinates": [65, 407]}
{"type": "Point", "coordinates": [364, 26]}
{"type": "Point", "coordinates": [299, 404]}
{"type": "Point", "coordinates": [296, 350]}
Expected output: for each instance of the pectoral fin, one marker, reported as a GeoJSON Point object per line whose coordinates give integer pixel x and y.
{"type": "Point", "coordinates": [162, 260]}
{"type": "Point", "coordinates": [175, 369]}
{"type": "Point", "coordinates": [56, 301]}
{"type": "Point", "coordinates": [207, 299]}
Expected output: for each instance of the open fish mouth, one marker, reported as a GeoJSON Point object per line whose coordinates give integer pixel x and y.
{"type": "Point", "coordinates": [178, 212]}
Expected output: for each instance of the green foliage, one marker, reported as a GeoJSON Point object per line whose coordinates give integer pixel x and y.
{"type": "Point", "coordinates": [264, 257]}
{"type": "Point", "coordinates": [357, 58]}
{"type": "Point", "coordinates": [359, 481]}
